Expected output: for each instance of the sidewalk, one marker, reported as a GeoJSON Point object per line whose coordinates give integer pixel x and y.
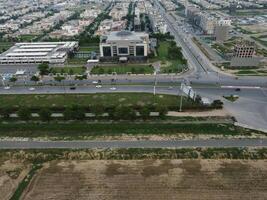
{"type": "Point", "coordinates": [211, 113]}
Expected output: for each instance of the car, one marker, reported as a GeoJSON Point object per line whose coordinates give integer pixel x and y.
{"type": "Point", "coordinates": [113, 88]}
{"type": "Point", "coordinates": [31, 88]}
{"type": "Point", "coordinates": [98, 86]}
{"type": "Point", "coordinates": [94, 82]}
{"type": "Point", "coordinates": [238, 89]}
{"type": "Point", "coordinates": [6, 88]}
{"type": "Point", "coordinates": [72, 88]}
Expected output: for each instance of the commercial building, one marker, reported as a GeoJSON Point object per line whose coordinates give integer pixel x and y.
{"type": "Point", "coordinates": [38, 52]}
{"type": "Point", "coordinates": [124, 46]}
{"type": "Point", "coordinates": [222, 29]}
{"type": "Point", "coordinates": [244, 55]}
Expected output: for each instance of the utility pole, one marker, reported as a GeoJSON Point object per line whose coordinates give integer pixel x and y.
{"type": "Point", "coordinates": [181, 103]}
{"type": "Point", "coordinates": [155, 83]}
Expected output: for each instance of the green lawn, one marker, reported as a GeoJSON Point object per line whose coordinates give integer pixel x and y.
{"type": "Point", "coordinates": [174, 66]}
{"type": "Point", "coordinates": [242, 72]}
{"type": "Point", "coordinates": [27, 38]}
{"type": "Point", "coordinates": [104, 99]}
{"type": "Point", "coordinates": [69, 70]}
{"type": "Point", "coordinates": [79, 61]}
{"type": "Point", "coordinates": [89, 48]}
{"type": "Point", "coordinates": [163, 50]}
{"type": "Point", "coordinates": [76, 130]}
{"type": "Point", "coordinates": [231, 98]}
{"type": "Point", "coordinates": [123, 69]}
{"type": "Point", "coordinates": [5, 46]}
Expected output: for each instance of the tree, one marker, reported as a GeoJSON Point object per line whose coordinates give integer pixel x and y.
{"type": "Point", "coordinates": [5, 112]}
{"type": "Point", "coordinates": [81, 77]}
{"type": "Point", "coordinates": [24, 113]}
{"type": "Point", "coordinates": [98, 110]}
{"type": "Point", "coordinates": [35, 78]}
{"type": "Point", "coordinates": [74, 112]}
{"type": "Point", "coordinates": [71, 72]}
{"type": "Point", "coordinates": [59, 78]}
{"type": "Point", "coordinates": [145, 112]}
{"type": "Point", "coordinates": [174, 53]}
{"type": "Point", "coordinates": [162, 110]}
{"type": "Point", "coordinates": [198, 99]}
{"type": "Point", "coordinates": [13, 79]}
{"type": "Point", "coordinates": [43, 68]}
{"type": "Point", "coordinates": [45, 114]}
{"type": "Point", "coordinates": [123, 112]}
{"type": "Point", "coordinates": [68, 114]}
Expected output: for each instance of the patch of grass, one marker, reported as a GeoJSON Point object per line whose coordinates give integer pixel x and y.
{"type": "Point", "coordinates": [231, 98]}
{"type": "Point", "coordinates": [175, 66]}
{"type": "Point", "coordinates": [25, 182]}
{"type": "Point", "coordinates": [79, 61]}
{"type": "Point", "coordinates": [27, 37]}
{"type": "Point", "coordinates": [105, 99]}
{"type": "Point", "coordinates": [5, 46]}
{"type": "Point", "coordinates": [46, 155]}
{"type": "Point", "coordinates": [89, 48]}
{"type": "Point", "coordinates": [242, 72]}
{"type": "Point", "coordinates": [77, 130]}
{"type": "Point", "coordinates": [69, 70]}
{"type": "Point", "coordinates": [123, 69]}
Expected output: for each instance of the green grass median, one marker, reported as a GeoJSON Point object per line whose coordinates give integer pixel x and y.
{"type": "Point", "coordinates": [87, 100]}
{"type": "Point", "coordinates": [123, 69]}
{"type": "Point", "coordinates": [77, 130]}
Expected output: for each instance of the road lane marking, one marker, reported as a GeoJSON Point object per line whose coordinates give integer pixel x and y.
{"type": "Point", "coordinates": [243, 87]}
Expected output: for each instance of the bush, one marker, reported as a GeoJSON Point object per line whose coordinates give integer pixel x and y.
{"type": "Point", "coordinates": [5, 112]}
{"type": "Point", "coordinates": [74, 112]}
{"type": "Point", "coordinates": [24, 113]}
{"type": "Point", "coordinates": [68, 114]}
{"type": "Point", "coordinates": [122, 112]}
{"type": "Point", "coordinates": [98, 110]}
{"type": "Point", "coordinates": [43, 68]}
{"type": "Point", "coordinates": [45, 114]}
{"type": "Point", "coordinates": [162, 110]}
{"type": "Point", "coordinates": [35, 78]}
{"type": "Point", "coordinates": [217, 104]}
{"type": "Point", "coordinates": [145, 112]}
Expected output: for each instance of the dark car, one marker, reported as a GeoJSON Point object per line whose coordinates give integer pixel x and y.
{"type": "Point", "coordinates": [72, 88]}
{"type": "Point", "coordinates": [238, 89]}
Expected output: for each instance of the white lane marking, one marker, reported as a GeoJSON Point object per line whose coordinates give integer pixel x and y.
{"type": "Point", "coordinates": [243, 87]}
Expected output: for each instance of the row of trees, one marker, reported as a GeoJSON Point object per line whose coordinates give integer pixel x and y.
{"type": "Point", "coordinates": [175, 52]}
{"type": "Point", "coordinates": [79, 113]}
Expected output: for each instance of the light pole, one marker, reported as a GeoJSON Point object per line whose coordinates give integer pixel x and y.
{"type": "Point", "coordinates": [181, 103]}
{"type": "Point", "coordinates": [155, 83]}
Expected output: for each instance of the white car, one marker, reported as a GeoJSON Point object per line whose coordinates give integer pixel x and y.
{"type": "Point", "coordinates": [113, 88]}
{"type": "Point", "coordinates": [95, 82]}
{"type": "Point", "coordinates": [31, 88]}
{"type": "Point", "coordinates": [98, 86]}
{"type": "Point", "coordinates": [6, 88]}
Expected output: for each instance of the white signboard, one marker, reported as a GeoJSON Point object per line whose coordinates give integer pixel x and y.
{"type": "Point", "coordinates": [188, 90]}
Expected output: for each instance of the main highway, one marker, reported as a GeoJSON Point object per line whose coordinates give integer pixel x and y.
{"type": "Point", "coordinates": [250, 109]}
{"type": "Point", "coordinates": [212, 143]}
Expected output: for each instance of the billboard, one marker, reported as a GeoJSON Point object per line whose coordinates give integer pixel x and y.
{"type": "Point", "coordinates": [188, 90]}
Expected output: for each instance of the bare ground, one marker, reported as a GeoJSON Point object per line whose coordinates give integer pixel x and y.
{"type": "Point", "coordinates": [150, 180]}
{"type": "Point", "coordinates": [11, 173]}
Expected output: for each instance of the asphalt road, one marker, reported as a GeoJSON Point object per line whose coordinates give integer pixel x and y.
{"type": "Point", "coordinates": [219, 143]}
{"type": "Point", "coordinates": [250, 109]}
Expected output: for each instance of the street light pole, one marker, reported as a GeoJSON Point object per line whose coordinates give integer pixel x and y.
{"type": "Point", "coordinates": [181, 103]}
{"type": "Point", "coordinates": [155, 83]}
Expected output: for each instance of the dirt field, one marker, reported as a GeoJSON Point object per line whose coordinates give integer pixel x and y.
{"type": "Point", "coordinates": [10, 175]}
{"type": "Point", "coordinates": [150, 180]}
{"type": "Point", "coordinates": [257, 28]}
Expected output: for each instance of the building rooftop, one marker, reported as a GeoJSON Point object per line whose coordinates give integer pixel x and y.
{"type": "Point", "coordinates": [125, 35]}
{"type": "Point", "coordinates": [38, 51]}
